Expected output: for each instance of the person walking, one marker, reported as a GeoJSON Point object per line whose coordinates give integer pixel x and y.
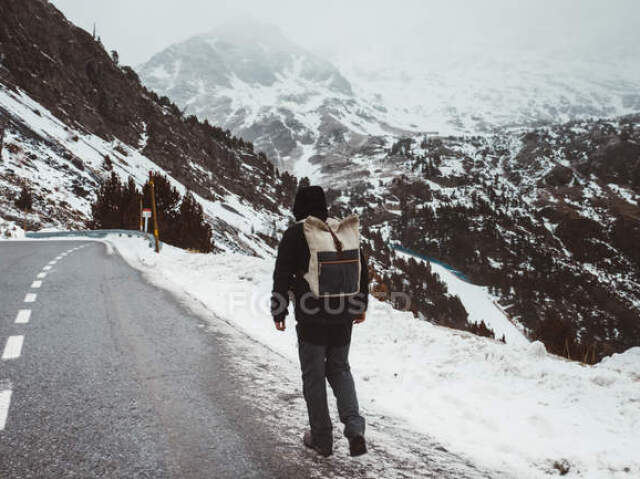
{"type": "Point", "coordinates": [320, 261]}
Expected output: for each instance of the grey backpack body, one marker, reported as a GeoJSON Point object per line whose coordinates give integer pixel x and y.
{"type": "Point", "coordinates": [334, 263]}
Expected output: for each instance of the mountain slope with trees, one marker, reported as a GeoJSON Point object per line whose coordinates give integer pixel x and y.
{"type": "Point", "coordinates": [549, 219]}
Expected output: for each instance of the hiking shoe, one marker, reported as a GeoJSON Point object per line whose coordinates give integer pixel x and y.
{"type": "Point", "coordinates": [308, 441]}
{"type": "Point", "coordinates": [357, 446]}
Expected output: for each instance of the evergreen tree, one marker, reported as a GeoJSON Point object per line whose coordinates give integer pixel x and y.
{"type": "Point", "coordinates": [193, 231]}
{"type": "Point", "coordinates": [25, 200]}
{"type": "Point", "coordinates": [105, 211]}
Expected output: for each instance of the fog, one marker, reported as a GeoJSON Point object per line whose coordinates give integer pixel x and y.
{"type": "Point", "coordinates": [377, 31]}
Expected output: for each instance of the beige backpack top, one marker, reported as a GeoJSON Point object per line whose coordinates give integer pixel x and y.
{"type": "Point", "coordinates": [334, 265]}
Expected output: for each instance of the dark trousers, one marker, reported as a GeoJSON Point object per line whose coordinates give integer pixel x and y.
{"type": "Point", "coordinates": [321, 363]}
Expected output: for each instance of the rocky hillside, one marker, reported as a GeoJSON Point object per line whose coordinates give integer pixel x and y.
{"type": "Point", "coordinates": [549, 219]}
{"type": "Point", "coordinates": [68, 110]}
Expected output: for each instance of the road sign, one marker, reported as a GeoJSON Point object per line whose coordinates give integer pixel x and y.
{"type": "Point", "coordinates": [146, 214]}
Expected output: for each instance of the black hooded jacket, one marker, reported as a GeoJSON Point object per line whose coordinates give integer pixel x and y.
{"type": "Point", "coordinates": [293, 261]}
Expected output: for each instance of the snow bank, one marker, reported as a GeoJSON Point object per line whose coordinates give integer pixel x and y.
{"type": "Point", "coordinates": [10, 230]}
{"type": "Point", "coordinates": [510, 407]}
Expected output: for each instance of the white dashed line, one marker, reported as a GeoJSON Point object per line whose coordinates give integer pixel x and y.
{"type": "Point", "coordinates": [46, 268]}
{"type": "Point", "coordinates": [13, 348]}
{"type": "Point", "coordinates": [41, 275]}
{"type": "Point", "coordinates": [5, 400]}
{"type": "Point", "coordinates": [36, 284]}
{"type": "Point", "coordinates": [52, 262]}
{"type": "Point", "coordinates": [23, 316]}
{"type": "Point", "coordinates": [30, 297]}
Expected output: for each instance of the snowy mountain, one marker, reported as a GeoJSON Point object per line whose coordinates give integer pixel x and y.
{"type": "Point", "coordinates": [477, 91]}
{"type": "Point", "coordinates": [311, 117]}
{"type": "Point", "coordinates": [250, 79]}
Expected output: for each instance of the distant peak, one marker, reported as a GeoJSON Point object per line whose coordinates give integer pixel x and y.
{"type": "Point", "coordinates": [249, 30]}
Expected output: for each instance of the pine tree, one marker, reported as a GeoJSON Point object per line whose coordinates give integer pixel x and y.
{"type": "Point", "coordinates": [25, 201]}
{"type": "Point", "coordinates": [105, 211]}
{"type": "Point", "coordinates": [193, 231]}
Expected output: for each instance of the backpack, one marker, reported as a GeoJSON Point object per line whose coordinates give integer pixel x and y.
{"type": "Point", "coordinates": [334, 263]}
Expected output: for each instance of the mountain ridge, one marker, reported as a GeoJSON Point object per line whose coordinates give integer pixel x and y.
{"type": "Point", "coordinates": [311, 130]}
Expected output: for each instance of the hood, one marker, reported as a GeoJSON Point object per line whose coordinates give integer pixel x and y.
{"type": "Point", "coordinates": [310, 201]}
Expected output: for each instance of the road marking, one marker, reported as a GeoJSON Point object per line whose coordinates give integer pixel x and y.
{"type": "Point", "coordinates": [46, 268]}
{"type": "Point", "coordinates": [13, 348]}
{"type": "Point", "coordinates": [30, 298]}
{"type": "Point", "coordinates": [41, 275]}
{"type": "Point", "coordinates": [5, 400]}
{"type": "Point", "coordinates": [36, 284]}
{"type": "Point", "coordinates": [52, 262]}
{"type": "Point", "coordinates": [23, 316]}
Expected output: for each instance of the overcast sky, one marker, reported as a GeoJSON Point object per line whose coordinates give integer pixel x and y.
{"type": "Point", "coordinates": [387, 29]}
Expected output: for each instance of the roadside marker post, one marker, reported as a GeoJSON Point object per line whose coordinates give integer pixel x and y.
{"type": "Point", "coordinates": [146, 214]}
{"type": "Point", "coordinates": [156, 234]}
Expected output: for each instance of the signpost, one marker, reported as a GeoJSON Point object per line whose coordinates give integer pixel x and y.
{"type": "Point", "coordinates": [146, 214]}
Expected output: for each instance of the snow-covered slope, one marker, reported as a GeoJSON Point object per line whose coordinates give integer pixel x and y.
{"type": "Point", "coordinates": [507, 407]}
{"type": "Point", "coordinates": [62, 166]}
{"type": "Point", "coordinates": [474, 90]}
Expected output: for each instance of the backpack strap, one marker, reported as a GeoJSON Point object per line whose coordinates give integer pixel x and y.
{"type": "Point", "coordinates": [336, 240]}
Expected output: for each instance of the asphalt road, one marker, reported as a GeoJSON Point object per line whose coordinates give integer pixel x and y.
{"type": "Point", "coordinates": [114, 378]}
